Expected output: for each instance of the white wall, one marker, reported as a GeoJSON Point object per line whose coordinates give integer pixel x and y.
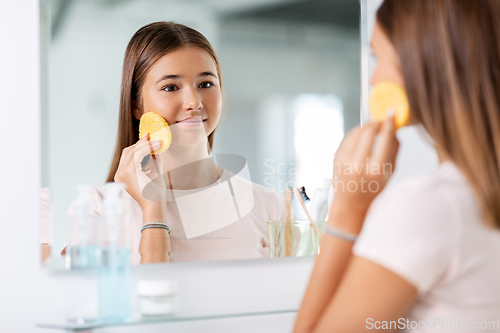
{"type": "Point", "coordinates": [262, 60]}
{"type": "Point", "coordinates": [30, 294]}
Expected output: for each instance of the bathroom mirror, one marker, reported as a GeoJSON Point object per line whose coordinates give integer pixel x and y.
{"type": "Point", "coordinates": [292, 85]}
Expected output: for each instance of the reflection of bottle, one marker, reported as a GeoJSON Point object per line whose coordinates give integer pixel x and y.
{"type": "Point", "coordinates": [157, 298]}
{"type": "Point", "coordinates": [114, 273]}
{"type": "Point", "coordinates": [319, 203]}
{"type": "Point", "coordinates": [82, 251]}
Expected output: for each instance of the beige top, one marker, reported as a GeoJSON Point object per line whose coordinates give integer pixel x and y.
{"type": "Point", "coordinates": [429, 230]}
{"type": "Point", "coordinates": [198, 235]}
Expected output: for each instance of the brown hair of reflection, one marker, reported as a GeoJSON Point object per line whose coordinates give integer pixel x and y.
{"type": "Point", "coordinates": [450, 62]}
{"type": "Point", "coordinates": [146, 47]}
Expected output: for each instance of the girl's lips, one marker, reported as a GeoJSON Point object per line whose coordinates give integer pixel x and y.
{"type": "Point", "coordinates": [192, 122]}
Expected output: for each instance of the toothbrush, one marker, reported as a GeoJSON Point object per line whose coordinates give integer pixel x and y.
{"type": "Point", "coordinates": [301, 200]}
{"type": "Point", "coordinates": [303, 194]}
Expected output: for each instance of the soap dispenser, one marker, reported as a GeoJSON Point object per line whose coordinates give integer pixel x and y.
{"type": "Point", "coordinates": [82, 250]}
{"type": "Point", "coordinates": [114, 272]}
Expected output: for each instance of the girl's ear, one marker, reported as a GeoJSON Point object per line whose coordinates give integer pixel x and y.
{"type": "Point", "coordinates": [136, 111]}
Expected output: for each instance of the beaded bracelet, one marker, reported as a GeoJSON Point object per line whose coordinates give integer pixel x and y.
{"type": "Point", "coordinates": [155, 225]}
{"type": "Point", "coordinates": [341, 234]}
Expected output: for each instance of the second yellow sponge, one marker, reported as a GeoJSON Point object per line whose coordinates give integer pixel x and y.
{"type": "Point", "coordinates": [388, 95]}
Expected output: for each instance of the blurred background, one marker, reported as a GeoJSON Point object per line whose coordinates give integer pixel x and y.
{"type": "Point", "coordinates": [291, 73]}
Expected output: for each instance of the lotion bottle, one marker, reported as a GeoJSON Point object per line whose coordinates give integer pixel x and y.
{"type": "Point", "coordinates": [82, 250]}
{"type": "Point", "coordinates": [114, 273]}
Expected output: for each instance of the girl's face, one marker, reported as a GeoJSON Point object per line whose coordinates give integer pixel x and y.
{"type": "Point", "coordinates": [183, 87]}
{"type": "Point", "coordinates": [388, 66]}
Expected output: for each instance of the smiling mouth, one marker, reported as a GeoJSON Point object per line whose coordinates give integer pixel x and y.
{"type": "Point", "coordinates": [192, 120]}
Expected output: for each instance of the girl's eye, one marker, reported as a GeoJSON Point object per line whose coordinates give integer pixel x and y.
{"type": "Point", "coordinates": [206, 84]}
{"type": "Point", "coordinates": [171, 87]}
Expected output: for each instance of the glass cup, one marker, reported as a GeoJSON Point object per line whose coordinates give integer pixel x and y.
{"type": "Point", "coordinates": [294, 239]}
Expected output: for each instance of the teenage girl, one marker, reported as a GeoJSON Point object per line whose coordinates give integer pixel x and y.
{"type": "Point", "coordinates": [172, 70]}
{"type": "Point", "coordinates": [428, 251]}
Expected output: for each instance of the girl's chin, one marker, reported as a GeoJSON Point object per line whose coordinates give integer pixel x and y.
{"type": "Point", "coordinates": [188, 135]}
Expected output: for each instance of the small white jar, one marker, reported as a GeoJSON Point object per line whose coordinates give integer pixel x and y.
{"type": "Point", "coordinates": [157, 297]}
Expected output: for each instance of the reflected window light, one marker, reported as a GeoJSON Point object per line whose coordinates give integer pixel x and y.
{"type": "Point", "coordinates": [318, 131]}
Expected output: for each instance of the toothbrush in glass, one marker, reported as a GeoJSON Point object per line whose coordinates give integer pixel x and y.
{"type": "Point", "coordinates": [301, 200]}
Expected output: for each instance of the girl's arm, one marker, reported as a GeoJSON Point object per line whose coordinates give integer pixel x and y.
{"type": "Point", "coordinates": [348, 293]}
{"type": "Point", "coordinates": [45, 252]}
{"type": "Point", "coordinates": [155, 242]}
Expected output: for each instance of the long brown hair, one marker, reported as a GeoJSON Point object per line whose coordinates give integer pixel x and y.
{"type": "Point", "coordinates": [146, 47]}
{"type": "Point", "coordinates": [450, 61]}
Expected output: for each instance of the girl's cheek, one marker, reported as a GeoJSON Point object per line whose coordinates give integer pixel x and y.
{"type": "Point", "coordinates": [169, 118]}
{"type": "Point", "coordinates": [375, 76]}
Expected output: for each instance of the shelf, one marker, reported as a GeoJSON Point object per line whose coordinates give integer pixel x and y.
{"type": "Point", "coordinates": [89, 324]}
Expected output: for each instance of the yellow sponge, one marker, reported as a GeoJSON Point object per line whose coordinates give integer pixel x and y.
{"type": "Point", "coordinates": [157, 127]}
{"type": "Point", "coordinates": [388, 95]}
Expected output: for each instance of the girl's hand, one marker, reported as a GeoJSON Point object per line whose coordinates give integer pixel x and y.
{"type": "Point", "coordinates": [130, 169]}
{"type": "Point", "coordinates": [361, 171]}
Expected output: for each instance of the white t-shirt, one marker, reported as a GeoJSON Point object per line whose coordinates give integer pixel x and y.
{"type": "Point", "coordinates": [429, 231]}
{"type": "Point", "coordinates": [246, 237]}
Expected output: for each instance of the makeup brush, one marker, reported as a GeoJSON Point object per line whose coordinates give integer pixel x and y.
{"type": "Point", "coordinates": [288, 203]}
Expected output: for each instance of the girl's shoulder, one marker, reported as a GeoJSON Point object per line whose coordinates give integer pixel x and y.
{"type": "Point", "coordinates": [439, 189]}
{"type": "Point", "coordinates": [433, 209]}
{"type": "Point", "coordinates": [422, 227]}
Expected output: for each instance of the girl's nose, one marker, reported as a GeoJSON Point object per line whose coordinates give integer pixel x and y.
{"type": "Point", "coordinates": [192, 100]}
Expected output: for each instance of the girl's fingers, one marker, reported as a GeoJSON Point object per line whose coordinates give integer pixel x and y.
{"type": "Point", "coordinates": [348, 143]}
{"type": "Point", "coordinates": [125, 156]}
{"type": "Point", "coordinates": [387, 147]}
{"type": "Point", "coordinates": [344, 155]}
{"type": "Point", "coordinates": [143, 148]}
{"type": "Point", "coordinates": [127, 153]}
{"type": "Point", "coordinates": [138, 151]}
{"type": "Point", "coordinates": [365, 141]}
{"type": "Point", "coordinates": [392, 158]}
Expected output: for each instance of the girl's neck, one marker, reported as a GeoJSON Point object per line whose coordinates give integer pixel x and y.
{"type": "Point", "coordinates": [442, 156]}
{"type": "Point", "coordinates": [189, 167]}
{"type": "Point", "coordinates": [176, 155]}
